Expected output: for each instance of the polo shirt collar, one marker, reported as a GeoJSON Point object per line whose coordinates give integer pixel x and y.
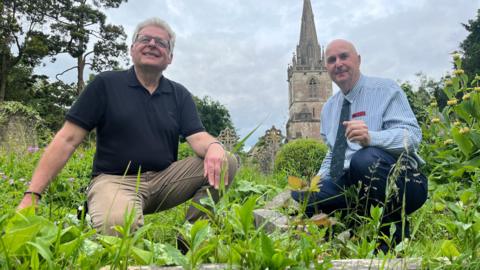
{"type": "Point", "coordinates": [132, 79]}
{"type": "Point", "coordinates": [356, 89]}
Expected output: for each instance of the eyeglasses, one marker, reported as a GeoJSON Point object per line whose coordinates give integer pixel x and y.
{"type": "Point", "coordinates": [143, 39]}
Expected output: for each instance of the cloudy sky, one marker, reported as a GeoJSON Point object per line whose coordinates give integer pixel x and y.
{"type": "Point", "coordinates": [237, 51]}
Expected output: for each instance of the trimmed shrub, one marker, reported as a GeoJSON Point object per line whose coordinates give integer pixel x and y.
{"type": "Point", "coordinates": [301, 158]}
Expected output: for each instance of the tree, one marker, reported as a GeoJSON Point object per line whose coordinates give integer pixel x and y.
{"type": "Point", "coordinates": [21, 41]}
{"type": "Point", "coordinates": [215, 116]}
{"type": "Point", "coordinates": [471, 47]}
{"type": "Point", "coordinates": [421, 97]}
{"type": "Point", "coordinates": [76, 24]}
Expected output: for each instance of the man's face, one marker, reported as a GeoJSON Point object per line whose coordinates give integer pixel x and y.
{"type": "Point", "coordinates": [343, 64]}
{"type": "Point", "coordinates": [151, 49]}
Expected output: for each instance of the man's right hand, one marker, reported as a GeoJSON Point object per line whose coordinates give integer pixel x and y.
{"type": "Point", "coordinates": [27, 201]}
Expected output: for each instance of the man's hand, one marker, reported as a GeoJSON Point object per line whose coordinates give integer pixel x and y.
{"type": "Point", "coordinates": [213, 163]}
{"type": "Point", "coordinates": [27, 201]}
{"type": "Point", "coordinates": [357, 131]}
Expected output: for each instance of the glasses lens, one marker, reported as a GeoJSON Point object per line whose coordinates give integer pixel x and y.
{"type": "Point", "coordinates": [158, 41]}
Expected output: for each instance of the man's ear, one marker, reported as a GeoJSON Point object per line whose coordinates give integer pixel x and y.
{"type": "Point", "coordinates": [359, 59]}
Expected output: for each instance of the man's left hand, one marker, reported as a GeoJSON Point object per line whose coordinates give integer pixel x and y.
{"type": "Point", "coordinates": [357, 131]}
{"type": "Point", "coordinates": [213, 163]}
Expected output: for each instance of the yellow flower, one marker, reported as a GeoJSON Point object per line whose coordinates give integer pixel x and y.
{"type": "Point", "coordinates": [466, 96]}
{"type": "Point", "coordinates": [448, 141]}
{"type": "Point", "coordinates": [436, 120]}
{"type": "Point", "coordinates": [452, 101]}
{"type": "Point", "coordinates": [448, 83]}
{"type": "Point", "coordinates": [464, 130]}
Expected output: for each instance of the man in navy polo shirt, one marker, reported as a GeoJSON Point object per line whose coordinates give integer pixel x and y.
{"type": "Point", "coordinates": [372, 136]}
{"type": "Point", "coordinates": [138, 115]}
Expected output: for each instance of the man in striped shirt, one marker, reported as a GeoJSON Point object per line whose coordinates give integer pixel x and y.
{"type": "Point", "coordinates": [374, 150]}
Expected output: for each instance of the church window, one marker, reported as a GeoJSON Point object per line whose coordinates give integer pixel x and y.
{"type": "Point", "coordinates": [313, 88]}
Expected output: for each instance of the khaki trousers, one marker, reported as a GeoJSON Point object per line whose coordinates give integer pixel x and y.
{"type": "Point", "coordinates": [112, 197]}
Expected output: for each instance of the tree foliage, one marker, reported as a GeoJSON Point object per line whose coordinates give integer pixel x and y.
{"type": "Point", "coordinates": [215, 116]}
{"type": "Point", "coordinates": [471, 47]}
{"type": "Point", "coordinates": [427, 91]}
{"type": "Point", "coordinates": [77, 24]}
{"type": "Point", "coordinates": [21, 40]}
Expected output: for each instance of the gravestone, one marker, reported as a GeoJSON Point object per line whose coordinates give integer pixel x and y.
{"type": "Point", "coordinates": [228, 137]}
{"type": "Point", "coordinates": [18, 127]}
{"type": "Point", "coordinates": [266, 152]}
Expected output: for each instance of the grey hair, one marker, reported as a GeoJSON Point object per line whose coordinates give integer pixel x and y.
{"type": "Point", "coordinates": [155, 21]}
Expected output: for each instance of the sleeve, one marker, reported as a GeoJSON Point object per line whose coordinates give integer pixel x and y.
{"type": "Point", "coordinates": [89, 108]}
{"type": "Point", "coordinates": [400, 130]}
{"type": "Point", "coordinates": [324, 171]}
{"type": "Point", "coordinates": [190, 122]}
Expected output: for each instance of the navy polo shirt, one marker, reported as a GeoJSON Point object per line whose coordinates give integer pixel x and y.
{"type": "Point", "coordinates": [135, 129]}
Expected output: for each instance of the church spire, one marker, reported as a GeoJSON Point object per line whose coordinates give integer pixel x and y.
{"type": "Point", "coordinates": [308, 49]}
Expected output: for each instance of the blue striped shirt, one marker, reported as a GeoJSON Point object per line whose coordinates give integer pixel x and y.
{"type": "Point", "coordinates": [384, 107]}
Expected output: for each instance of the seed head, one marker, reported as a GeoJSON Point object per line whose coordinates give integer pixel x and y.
{"type": "Point", "coordinates": [452, 101]}
{"type": "Point", "coordinates": [458, 72]}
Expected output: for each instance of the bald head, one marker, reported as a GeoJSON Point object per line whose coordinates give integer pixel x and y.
{"type": "Point", "coordinates": [343, 64]}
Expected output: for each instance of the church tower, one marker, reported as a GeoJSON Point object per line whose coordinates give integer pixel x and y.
{"type": "Point", "coordinates": [309, 85]}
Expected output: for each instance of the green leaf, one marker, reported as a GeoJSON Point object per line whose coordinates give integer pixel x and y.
{"type": "Point", "coordinates": [142, 256]}
{"type": "Point", "coordinates": [449, 249]}
{"type": "Point", "coordinates": [462, 141]}
{"type": "Point", "coordinates": [245, 214]}
{"type": "Point", "coordinates": [199, 233]}
{"type": "Point", "coordinates": [42, 250]}
{"type": "Point", "coordinates": [267, 246]}
{"type": "Point", "coordinates": [467, 196]}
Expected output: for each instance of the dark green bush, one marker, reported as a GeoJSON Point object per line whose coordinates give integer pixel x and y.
{"type": "Point", "coordinates": [301, 158]}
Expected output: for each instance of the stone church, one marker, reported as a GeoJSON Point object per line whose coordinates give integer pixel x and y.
{"type": "Point", "coordinates": [309, 85]}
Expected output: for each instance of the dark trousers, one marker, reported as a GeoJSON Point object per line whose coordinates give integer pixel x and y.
{"type": "Point", "coordinates": [373, 174]}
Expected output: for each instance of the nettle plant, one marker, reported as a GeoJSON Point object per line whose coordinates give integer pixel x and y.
{"type": "Point", "coordinates": [452, 150]}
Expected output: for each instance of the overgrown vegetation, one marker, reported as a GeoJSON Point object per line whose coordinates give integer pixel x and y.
{"type": "Point", "coordinates": [445, 232]}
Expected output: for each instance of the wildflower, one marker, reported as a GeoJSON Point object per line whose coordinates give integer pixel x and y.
{"type": "Point", "coordinates": [71, 179]}
{"type": "Point", "coordinates": [11, 182]}
{"type": "Point", "coordinates": [466, 97]}
{"type": "Point", "coordinates": [456, 56]}
{"type": "Point", "coordinates": [464, 130]}
{"type": "Point", "coordinates": [433, 104]}
{"type": "Point", "coordinates": [448, 141]}
{"type": "Point", "coordinates": [448, 83]}
{"type": "Point", "coordinates": [21, 179]}
{"type": "Point", "coordinates": [436, 120]}
{"type": "Point", "coordinates": [477, 89]}
{"type": "Point", "coordinates": [452, 101]}
{"type": "Point", "coordinates": [33, 149]}
{"type": "Point", "coordinates": [456, 123]}
{"type": "Point", "coordinates": [458, 72]}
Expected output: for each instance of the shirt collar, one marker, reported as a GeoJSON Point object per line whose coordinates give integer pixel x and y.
{"type": "Point", "coordinates": [132, 79]}
{"type": "Point", "coordinates": [356, 89]}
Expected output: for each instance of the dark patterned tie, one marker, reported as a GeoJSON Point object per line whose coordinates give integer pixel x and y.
{"type": "Point", "coordinates": [338, 153]}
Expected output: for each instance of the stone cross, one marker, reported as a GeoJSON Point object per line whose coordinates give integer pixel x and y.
{"type": "Point", "coordinates": [228, 137]}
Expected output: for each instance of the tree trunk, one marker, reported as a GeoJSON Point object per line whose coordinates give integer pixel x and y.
{"type": "Point", "coordinates": [3, 77]}
{"type": "Point", "coordinates": [80, 69]}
